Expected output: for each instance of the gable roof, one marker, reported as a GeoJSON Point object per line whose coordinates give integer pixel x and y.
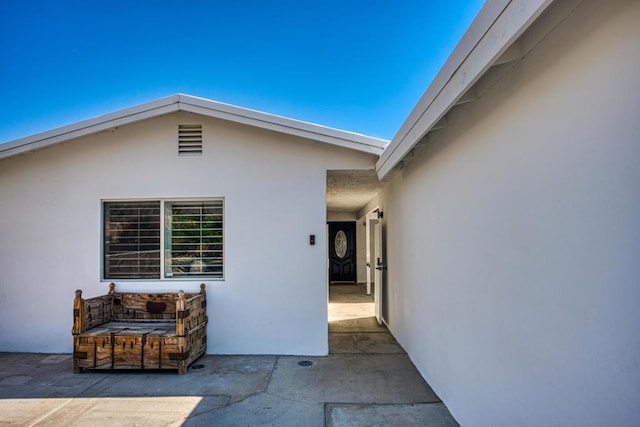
{"type": "Point", "coordinates": [205, 107]}
{"type": "Point", "coordinates": [490, 40]}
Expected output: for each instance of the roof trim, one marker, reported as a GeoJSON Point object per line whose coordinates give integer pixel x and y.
{"type": "Point", "coordinates": [181, 102]}
{"type": "Point", "coordinates": [498, 24]}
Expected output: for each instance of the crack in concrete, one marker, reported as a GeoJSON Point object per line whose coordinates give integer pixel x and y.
{"type": "Point", "coordinates": [273, 368]}
{"type": "Point", "coordinates": [193, 415]}
{"type": "Point", "coordinates": [287, 399]}
{"type": "Point", "coordinates": [231, 401]}
{"type": "Point", "coordinates": [81, 393]}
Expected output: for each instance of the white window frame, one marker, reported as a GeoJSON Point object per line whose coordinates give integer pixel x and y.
{"type": "Point", "coordinates": [163, 277]}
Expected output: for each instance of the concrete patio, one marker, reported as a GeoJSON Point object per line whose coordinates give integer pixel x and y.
{"type": "Point", "coordinates": [366, 380]}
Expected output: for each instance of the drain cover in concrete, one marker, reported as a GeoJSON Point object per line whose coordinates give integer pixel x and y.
{"type": "Point", "coordinates": [408, 415]}
{"type": "Point", "coordinates": [55, 358]}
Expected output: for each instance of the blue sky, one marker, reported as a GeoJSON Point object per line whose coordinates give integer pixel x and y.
{"type": "Point", "coordinates": [351, 64]}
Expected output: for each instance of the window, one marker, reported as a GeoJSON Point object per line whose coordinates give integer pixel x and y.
{"type": "Point", "coordinates": [131, 240]}
{"type": "Point", "coordinates": [163, 239]}
{"type": "Point", "coordinates": [193, 239]}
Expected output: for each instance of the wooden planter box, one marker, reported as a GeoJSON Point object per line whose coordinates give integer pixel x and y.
{"type": "Point", "coordinates": [139, 331]}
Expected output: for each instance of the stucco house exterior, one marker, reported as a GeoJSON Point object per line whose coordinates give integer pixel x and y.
{"type": "Point", "coordinates": [505, 210]}
{"type": "Point", "coordinates": [263, 178]}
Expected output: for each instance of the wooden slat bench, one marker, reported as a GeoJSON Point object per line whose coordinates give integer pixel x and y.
{"type": "Point", "coordinates": [139, 331]}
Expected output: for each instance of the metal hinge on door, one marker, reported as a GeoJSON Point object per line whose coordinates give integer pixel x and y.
{"type": "Point", "coordinates": [380, 265]}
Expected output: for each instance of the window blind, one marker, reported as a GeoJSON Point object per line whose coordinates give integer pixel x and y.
{"type": "Point", "coordinates": [131, 240]}
{"type": "Point", "coordinates": [194, 238]}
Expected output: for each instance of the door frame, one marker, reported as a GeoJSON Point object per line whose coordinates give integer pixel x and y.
{"type": "Point", "coordinates": [375, 262]}
{"type": "Point", "coordinates": [352, 249]}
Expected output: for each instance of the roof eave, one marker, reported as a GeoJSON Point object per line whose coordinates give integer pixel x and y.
{"type": "Point", "coordinates": [496, 27]}
{"type": "Point", "coordinates": [284, 125]}
{"type": "Point", "coordinates": [89, 126]}
{"type": "Point", "coordinates": [180, 102]}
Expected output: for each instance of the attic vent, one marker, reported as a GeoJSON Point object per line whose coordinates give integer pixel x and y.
{"type": "Point", "coordinates": [190, 140]}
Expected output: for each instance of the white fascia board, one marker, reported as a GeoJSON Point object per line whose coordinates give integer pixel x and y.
{"type": "Point", "coordinates": [498, 24]}
{"type": "Point", "coordinates": [202, 106]}
{"type": "Point", "coordinates": [97, 124]}
{"type": "Point", "coordinates": [281, 124]}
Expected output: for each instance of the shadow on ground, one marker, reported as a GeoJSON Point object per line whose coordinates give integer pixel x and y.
{"type": "Point", "coordinates": [366, 380]}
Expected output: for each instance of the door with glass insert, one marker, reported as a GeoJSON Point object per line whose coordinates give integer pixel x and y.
{"type": "Point", "coordinates": [342, 252]}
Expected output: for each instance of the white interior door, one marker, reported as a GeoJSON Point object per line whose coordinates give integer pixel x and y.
{"type": "Point", "coordinates": [379, 265]}
{"type": "Point", "coordinates": [371, 219]}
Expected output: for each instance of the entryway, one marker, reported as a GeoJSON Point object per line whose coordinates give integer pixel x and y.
{"type": "Point", "coordinates": [353, 328]}
{"type": "Point", "coordinates": [356, 235]}
{"type": "Point", "coordinates": [356, 338]}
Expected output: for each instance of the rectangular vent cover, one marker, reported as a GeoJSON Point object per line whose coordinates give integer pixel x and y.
{"type": "Point", "coordinates": [190, 140]}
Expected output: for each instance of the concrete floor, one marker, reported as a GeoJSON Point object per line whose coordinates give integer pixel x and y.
{"type": "Point", "coordinates": [366, 380]}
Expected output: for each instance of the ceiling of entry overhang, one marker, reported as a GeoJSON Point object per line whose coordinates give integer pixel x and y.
{"type": "Point", "coordinates": [351, 190]}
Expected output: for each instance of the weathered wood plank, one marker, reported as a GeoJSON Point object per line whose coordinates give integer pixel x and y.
{"type": "Point", "coordinates": [139, 331]}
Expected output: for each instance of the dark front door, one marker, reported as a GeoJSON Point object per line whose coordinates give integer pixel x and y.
{"type": "Point", "coordinates": [342, 252]}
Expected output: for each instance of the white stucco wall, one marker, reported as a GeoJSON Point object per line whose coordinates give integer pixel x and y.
{"type": "Point", "coordinates": [274, 296]}
{"type": "Point", "coordinates": [513, 239]}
